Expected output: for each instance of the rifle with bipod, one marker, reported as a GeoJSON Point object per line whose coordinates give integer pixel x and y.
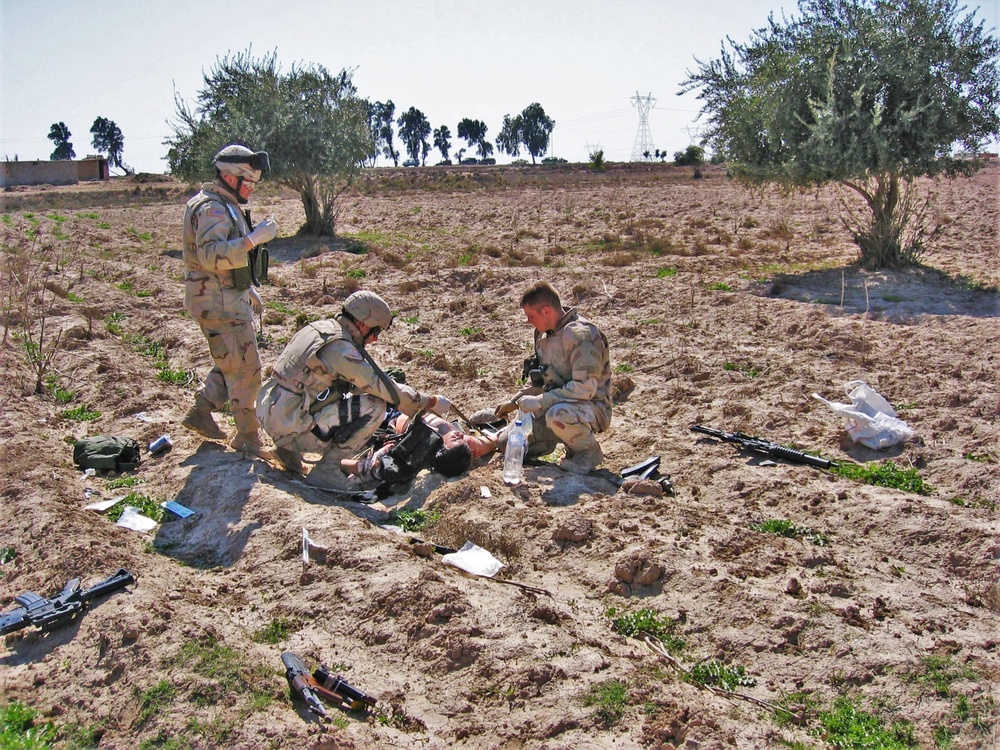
{"type": "Point", "coordinates": [765, 447]}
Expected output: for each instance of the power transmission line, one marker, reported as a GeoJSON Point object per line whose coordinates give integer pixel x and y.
{"type": "Point", "coordinates": [643, 148]}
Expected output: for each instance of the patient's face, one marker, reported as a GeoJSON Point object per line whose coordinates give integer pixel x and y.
{"type": "Point", "coordinates": [453, 438]}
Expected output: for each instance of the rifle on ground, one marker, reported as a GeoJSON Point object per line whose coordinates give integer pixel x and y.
{"type": "Point", "coordinates": [322, 684]}
{"type": "Point", "coordinates": [59, 610]}
{"type": "Point", "coordinates": [765, 447]}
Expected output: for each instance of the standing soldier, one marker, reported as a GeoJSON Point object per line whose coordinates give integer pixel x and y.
{"type": "Point", "coordinates": [219, 255]}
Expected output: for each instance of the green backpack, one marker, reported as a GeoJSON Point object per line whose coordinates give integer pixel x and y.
{"type": "Point", "coordinates": [107, 453]}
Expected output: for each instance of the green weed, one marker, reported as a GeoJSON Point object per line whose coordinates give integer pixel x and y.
{"type": "Point", "coordinates": [6, 555]}
{"type": "Point", "coordinates": [174, 377]}
{"type": "Point", "coordinates": [413, 520]}
{"type": "Point", "coordinates": [273, 633]}
{"type": "Point", "coordinates": [126, 481]}
{"type": "Point", "coordinates": [229, 671]}
{"type": "Point", "coordinates": [165, 741]}
{"type": "Point", "coordinates": [784, 527]}
{"type": "Point", "coordinates": [719, 286]}
{"type": "Point", "coordinates": [846, 727]}
{"type": "Point", "coordinates": [939, 672]}
{"type": "Point", "coordinates": [611, 699]}
{"type": "Point", "coordinates": [59, 394]}
{"type": "Point", "coordinates": [646, 622]}
{"type": "Point", "coordinates": [113, 323]}
{"type": "Point", "coordinates": [749, 370]}
{"type": "Point", "coordinates": [715, 673]}
{"type": "Point", "coordinates": [19, 730]}
{"type": "Point", "coordinates": [143, 503]}
{"type": "Point", "coordinates": [356, 273]}
{"type": "Point", "coordinates": [475, 331]}
{"type": "Point", "coordinates": [86, 215]}
{"type": "Point", "coordinates": [884, 474]}
{"type": "Point", "coordinates": [154, 700]}
{"type": "Point", "coordinates": [665, 272]}
{"type": "Point", "coordinates": [82, 413]}
{"type": "Point", "coordinates": [623, 368]}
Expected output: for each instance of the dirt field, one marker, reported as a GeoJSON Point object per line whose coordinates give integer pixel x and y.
{"type": "Point", "coordinates": [723, 308]}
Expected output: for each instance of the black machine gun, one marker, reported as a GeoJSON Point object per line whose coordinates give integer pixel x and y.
{"type": "Point", "coordinates": [767, 448]}
{"type": "Point", "coordinates": [59, 610]}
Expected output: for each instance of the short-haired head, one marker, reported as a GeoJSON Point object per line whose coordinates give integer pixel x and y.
{"type": "Point", "coordinates": [539, 294]}
{"type": "Point", "coordinates": [454, 461]}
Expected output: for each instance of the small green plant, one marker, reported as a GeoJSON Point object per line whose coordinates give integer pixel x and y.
{"type": "Point", "coordinates": [356, 273]}
{"type": "Point", "coordinates": [611, 698]}
{"type": "Point", "coordinates": [275, 632]}
{"type": "Point", "coordinates": [464, 259]}
{"type": "Point", "coordinates": [413, 520]}
{"type": "Point", "coordinates": [646, 622]}
{"type": "Point", "coordinates": [847, 726]}
{"type": "Point", "coordinates": [86, 215]}
{"type": "Point", "coordinates": [113, 323]}
{"type": "Point", "coordinates": [939, 672]}
{"type": "Point", "coordinates": [126, 481]}
{"type": "Point", "coordinates": [59, 394]}
{"type": "Point", "coordinates": [665, 272]}
{"type": "Point", "coordinates": [125, 286]}
{"type": "Point", "coordinates": [20, 731]}
{"type": "Point", "coordinates": [784, 527]}
{"type": "Point", "coordinates": [475, 331]}
{"type": "Point", "coordinates": [411, 319]}
{"type": "Point", "coordinates": [279, 307]}
{"type": "Point", "coordinates": [71, 297]}
{"type": "Point", "coordinates": [143, 503]}
{"type": "Point", "coordinates": [623, 368]}
{"type": "Point", "coordinates": [715, 673]}
{"type": "Point", "coordinates": [155, 699]}
{"type": "Point", "coordinates": [746, 369]}
{"type": "Point", "coordinates": [719, 286]}
{"type": "Point", "coordinates": [6, 555]}
{"type": "Point", "coordinates": [174, 377]}
{"type": "Point", "coordinates": [884, 474]}
{"type": "Point", "coordinates": [82, 413]}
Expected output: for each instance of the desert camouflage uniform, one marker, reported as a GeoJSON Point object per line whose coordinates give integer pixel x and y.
{"type": "Point", "coordinates": [577, 401]}
{"type": "Point", "coordinates": [215, 243]}
{"type": "Point", "coordinates": [324, 397]}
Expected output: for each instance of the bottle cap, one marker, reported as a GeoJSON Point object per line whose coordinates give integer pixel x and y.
{"type": "Point", "coordinates": [517, 422]}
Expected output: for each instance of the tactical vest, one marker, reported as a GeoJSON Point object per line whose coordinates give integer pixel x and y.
{"type": "Point", "coordinates": [299, 368]}
{"type": "Point", "coordinates": [239, 279]}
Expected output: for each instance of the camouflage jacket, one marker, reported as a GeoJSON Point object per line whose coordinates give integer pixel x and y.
{"type": "Point", "coordinates": [579, 362]}
{"type": "Point", "coordinates": [215, 243]}
{"type": "Point", "coordinates": [327, 354]}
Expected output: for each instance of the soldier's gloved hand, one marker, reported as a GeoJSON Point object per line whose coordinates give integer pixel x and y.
{"type": "Point", "coordinates": [256, 303]}
{"type": "Point", "coordinates": [263, 232]}
{"type": "Point", "coordinates": [440, 406]}
{"type": "Point", "coordinates": [508, 407]}
{"type": "Point", "coordinates": [530, 404]}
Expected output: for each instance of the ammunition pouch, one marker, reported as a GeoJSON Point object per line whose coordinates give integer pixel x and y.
{"type": "Point", "coordinates": [259, 258]}
{"type": "Point", "coordinates": [242, 278]}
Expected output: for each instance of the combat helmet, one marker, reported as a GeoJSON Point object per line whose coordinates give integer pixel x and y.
{"type": "Point", "coordinates": [241, 162]}
{"type": "Point", "coordinates": [368, 308]}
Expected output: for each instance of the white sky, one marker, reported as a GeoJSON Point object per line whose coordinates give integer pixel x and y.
{"type": "Point", "coordinates": [582, 60]}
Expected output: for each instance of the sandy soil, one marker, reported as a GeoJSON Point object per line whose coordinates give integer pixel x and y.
{"type": "Point", "coordinates": [723, 308]}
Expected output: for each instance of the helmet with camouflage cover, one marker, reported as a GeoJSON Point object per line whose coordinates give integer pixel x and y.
{"type": "Point", "coordinates": [239, 161]}
{"type": "Point", "coordinates": [368, 308]}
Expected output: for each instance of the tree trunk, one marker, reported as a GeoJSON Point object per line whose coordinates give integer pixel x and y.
{"type": "Point", "coordinates": [880, 234]}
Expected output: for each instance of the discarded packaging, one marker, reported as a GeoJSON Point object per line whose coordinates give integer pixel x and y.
{"type": "Point", "coordinates": [871, 420]}
{"type": "Point", "coordinates": [132, 519]}
{"type": "Point", "coordinates": [103, 505]}
{"type": "Point", "coordinates": [177, 509]}
{"type": "Point", "coordinates": [474, 559]}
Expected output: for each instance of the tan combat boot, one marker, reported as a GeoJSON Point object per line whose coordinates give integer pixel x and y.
{"type": "Point", "coordinates": [251, 445]}
{"type": "Point", "coordinates": [199, 419]}
{"type": "Point", "coordinates": [583, 461]}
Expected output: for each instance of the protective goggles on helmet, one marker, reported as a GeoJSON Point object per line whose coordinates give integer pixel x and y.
{"type": "Point", "coordinates": [258, 160]}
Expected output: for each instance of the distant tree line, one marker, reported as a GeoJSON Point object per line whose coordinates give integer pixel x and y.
{"type": "Point", "coordinates": [107, 139]}
{"type": "Point", "coordinates": [532, 130]}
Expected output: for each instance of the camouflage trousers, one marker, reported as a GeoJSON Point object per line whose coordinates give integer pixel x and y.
{"type": "Point", "coordinates": [236, 375]}
{"type": "Point", "coordinates": [347, 432]}
{"type": "Point", "coordinates": [573, 423]}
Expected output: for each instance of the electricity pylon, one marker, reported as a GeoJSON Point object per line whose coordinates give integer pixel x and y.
{"type": "Point", "coordinates": [643, 148]}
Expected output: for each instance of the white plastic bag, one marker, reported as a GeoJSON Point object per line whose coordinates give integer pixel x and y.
{"type": "Point", "coordinates": [871, 420]}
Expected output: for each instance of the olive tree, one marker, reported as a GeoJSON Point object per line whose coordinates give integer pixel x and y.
{"type": "Point", "coordinates": [311, 122]}
{"type": "Point", "coordinates": [870, 94]}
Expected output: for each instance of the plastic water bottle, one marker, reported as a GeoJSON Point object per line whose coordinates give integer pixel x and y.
{"type": "Point", "coordinates": [527, 423]}
{"type": "Point", "coordinates": [513, 459]}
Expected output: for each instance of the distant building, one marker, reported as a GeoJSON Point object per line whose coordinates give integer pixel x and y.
{"type": "Point", "coordinates": [65, 172]}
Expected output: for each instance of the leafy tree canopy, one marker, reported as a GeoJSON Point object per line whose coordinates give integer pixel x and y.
{"type": "Point", "coordinates": [108, 139]}
{"type": "Point", "coordinates": [442, 141]}
{"type": "Point", "coordinates": [382, 116]}
{"type": "Point", "coordinates": [59, 134]}
{"type": "Point", "coordinates": [313, 125]}
{"type": "Point", "coordinates": [474, 132]}
{"type": "Point", "coordinates": [868, 93]}
{"type": "Point", "coordinates": [532, 128]}
{"type": "Point", "coordinates": [414, 129]}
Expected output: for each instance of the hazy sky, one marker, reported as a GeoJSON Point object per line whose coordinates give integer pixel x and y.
{"type": "Point", "coordinates": [583, 60]}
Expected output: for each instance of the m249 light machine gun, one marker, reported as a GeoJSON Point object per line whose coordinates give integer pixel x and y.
{"type": "Point", "coordinates": [61, 609]}
{"type": "Point", "coordinates": [765, 447]}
